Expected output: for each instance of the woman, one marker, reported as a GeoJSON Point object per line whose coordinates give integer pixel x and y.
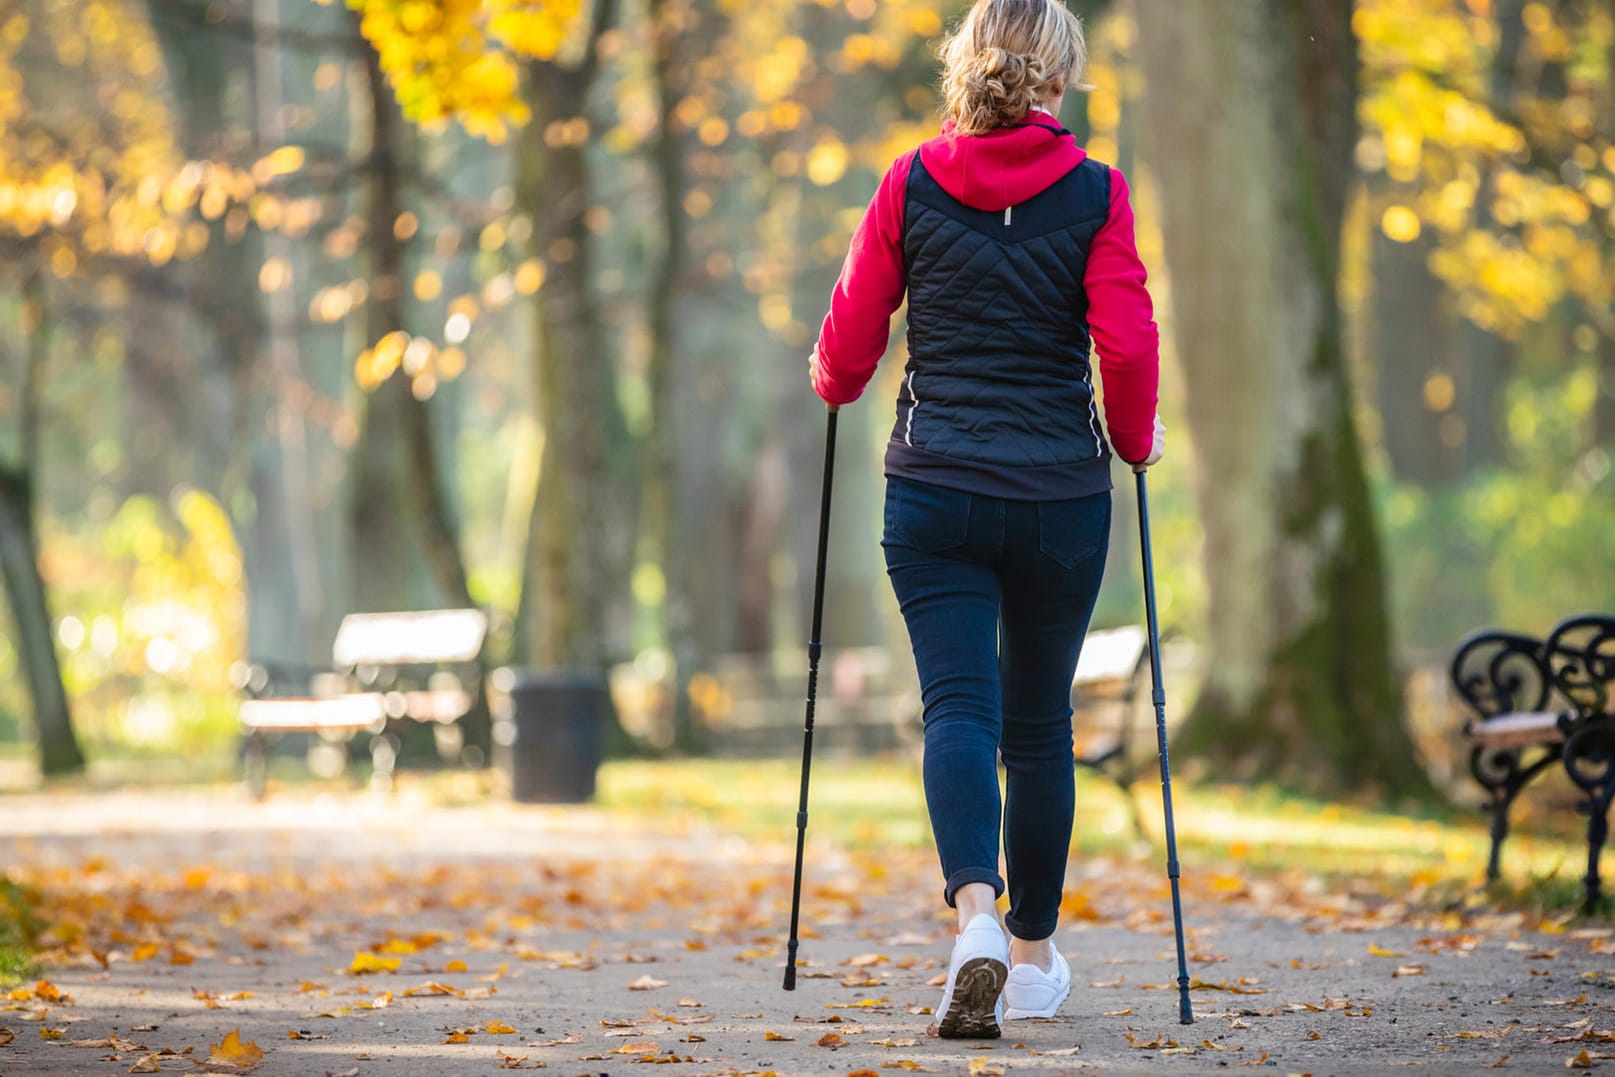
{"type": "Point", "coordinates": [1017, 254]}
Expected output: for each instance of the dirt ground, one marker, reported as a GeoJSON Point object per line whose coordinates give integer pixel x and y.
{"type": "Point", "coordinates": [367, 936]}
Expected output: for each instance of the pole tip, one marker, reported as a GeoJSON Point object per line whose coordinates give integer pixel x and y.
{"type": "Point", "coordinates": [1185, 1014]}
{"type": "Point", "coordinates": [790, 976]}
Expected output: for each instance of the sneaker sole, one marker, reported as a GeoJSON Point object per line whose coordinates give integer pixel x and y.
{"type": "Point", "coordinates": [972, 1011]}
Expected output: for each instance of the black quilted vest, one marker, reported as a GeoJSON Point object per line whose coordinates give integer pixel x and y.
{"type": "Point", "coordinates": [997, 397]}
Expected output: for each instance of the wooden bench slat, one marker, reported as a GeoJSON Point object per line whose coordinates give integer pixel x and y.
{"type": "Point", "coordinates": [1519, 729]}
{"type": "Point", "coordinates": [397, 639]}
{"type": "Point", "coordinates": [1110, 654]}
{"type": "Point", "coordinates": [355, 711]}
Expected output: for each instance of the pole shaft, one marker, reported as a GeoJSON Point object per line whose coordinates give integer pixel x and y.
{"type": "Point", "coordinates": [1158, 695]}
{"type": "Point", "coordinates": [814, 650]}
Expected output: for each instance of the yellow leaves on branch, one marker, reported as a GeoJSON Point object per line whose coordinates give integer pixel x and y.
{"type": "Point", "coordinates": [86, 188]}
{"type": "Point", "coordinates": [457, 59]}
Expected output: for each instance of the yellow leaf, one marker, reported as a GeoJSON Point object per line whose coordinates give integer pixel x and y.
{"type": "Point", "coordinates": [145, 952]}
{"type": "Point", "coordinates": [232, 1052]}
{"type": "Point", "coordinates": [456, 966]}
{"type": "Point", "coordinates": [366, 962]}
{"type": "Point", "coordinates": [457, 1037]}
{"type": "Point", "coordinates": [1378, 951]}
{"type": "Point", "coordinates": [981, 1067]}
{"type": "Point", "coordinates": [497, 1028]}
{"type": "Point", "coordinates": [51, 1033]}
{"type": "Point", "coordinates": [432, 988]}
{"type": "Point", "coordinates": [775, 1037]}
{"type": "Point", "coordinates": [146, 1064]}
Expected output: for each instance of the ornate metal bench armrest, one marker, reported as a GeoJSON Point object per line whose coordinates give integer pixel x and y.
{"type": "Point", "coordinates": [1501, 673]}
{"type": "Point", "coordinates": [1580, 656]}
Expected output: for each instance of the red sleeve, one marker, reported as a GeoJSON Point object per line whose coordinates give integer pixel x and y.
{"type": "Point", "coordinates": [856, 330]}
{"type": "Point", "coordinates": [1122, 320]}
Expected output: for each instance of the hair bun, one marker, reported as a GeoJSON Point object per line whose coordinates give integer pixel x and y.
{"type": "Point", "coordinates": [1005, 57]}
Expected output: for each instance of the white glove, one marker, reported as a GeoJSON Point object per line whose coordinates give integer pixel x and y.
{"type": "Point", "coordinates": [1157, 449]}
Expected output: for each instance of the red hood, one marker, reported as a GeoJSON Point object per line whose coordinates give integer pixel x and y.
{"type": "Point", "coordinates": [1003, 167]}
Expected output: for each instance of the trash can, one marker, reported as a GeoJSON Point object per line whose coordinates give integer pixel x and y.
{"type": "Point", "coordinates": [558, 722]}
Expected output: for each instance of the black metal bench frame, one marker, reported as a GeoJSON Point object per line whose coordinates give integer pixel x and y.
{"type": "Point", "coordinates": [1536, 703]}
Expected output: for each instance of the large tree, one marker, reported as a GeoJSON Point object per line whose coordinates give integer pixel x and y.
{"type": "Point", "coordinates": [1250, 113]}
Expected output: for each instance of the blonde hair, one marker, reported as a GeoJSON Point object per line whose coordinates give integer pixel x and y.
{"type": "Point", "coordinates": [1005, 58]}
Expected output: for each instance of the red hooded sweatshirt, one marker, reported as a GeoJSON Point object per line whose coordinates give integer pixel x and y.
{"type": "Point", "coordinates": [992, 172]}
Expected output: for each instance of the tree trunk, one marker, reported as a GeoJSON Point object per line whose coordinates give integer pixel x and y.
{"type": "Point", "coordinates": [1250, 112]}
{"type": "Point", "coordinates": [574, 594]}
{"type": "Point", "coordinates": [1413, 333]}
{"type": "Point", "coordinates": [405, 550]}
{"type": "Point", "coordinates": [662, 517]}
{"type": "Point", "coordinates": [36, 646]}
{"type": "Point", "coordinates": [19, 556]}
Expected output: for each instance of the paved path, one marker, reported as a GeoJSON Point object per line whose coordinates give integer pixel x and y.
{"type": "Point", "coordinates": [602, 944]}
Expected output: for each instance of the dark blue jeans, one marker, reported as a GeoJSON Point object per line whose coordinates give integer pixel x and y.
{"type": "Point", "coordinates": [997, 595]}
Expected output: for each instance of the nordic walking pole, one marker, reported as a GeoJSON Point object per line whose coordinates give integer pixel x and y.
{"type": "Point", "coordinates": [1185, 1013]}
{"type": "Point", "coordinates": [812, 691]}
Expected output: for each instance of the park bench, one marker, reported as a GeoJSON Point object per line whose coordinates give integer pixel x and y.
{"type": "Point", "coordinates": [1537, 703]}
{"type": "Point", "coordinates": [386, 669]}
{"type": "Point", "coordinates": [869, 700]}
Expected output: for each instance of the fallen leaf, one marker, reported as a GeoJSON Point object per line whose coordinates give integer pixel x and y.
{"type": "Point", "coordinates": [861, 1004]}
{"type": "Point", "coordinates": [368, 962]}
{"type": "Point", "coordinates": [1117, 982]}
{"type": "Point", "coordinates": [1156, 1044]}
{"type": "Point", "coordinates": [497, 1028]}
{"type": "Point", "coordinates": [906, 1064]}
{"type": "Point", "coordinates": [982, 1067]}
{"type": "Point", "coordinates": [1407, 970]}
{"type": "Point", "coordinates": [6, 1036]}
{"type": "Point", "coordinates": [888, 1042]}
{"type": "Point", "coordinates": [689, 1003]}
{"type": "Point", "coordinates": [456, 966]}
{"type": "Point", "coordinates": [863, 961]}
{"type": "Point", "coordinates": [646, 983]}
{"type": "Point", "coordinates": [146, 1064]}
{"type": "Point", "coordinates": [1059, 1051]}
{"type": "Point", "coordinates": [775, 1037]}
{"type": "Point", "coordinates": [458, 1037]}
{"type": "Point", "coordinates": [1482, 1034]}
{"type": "Point", "coordinates": [1380, 951]}
{"type": "Point", "coordinates": [830, 1039]}
{"type": "Point", "coordinates": [51, 1033]}
{"type": "Point", "coordinates": [638, 1047]}
{"type": "Point", "coordinates": [145, 952]}
{"type": "Point", "coordinates": [1119, 1013]}
{"type": "Point", "coordinates": [1257, 1061]}
{"type": "Point", "coordinates": [232, 1052]}
{"type": "Point", "coordinates": [1208, 1044]}
{"type": "Point", "coordinates": [432, 988]}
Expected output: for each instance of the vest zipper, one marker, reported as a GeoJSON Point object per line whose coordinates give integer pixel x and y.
{"type": "Point", "coordinates": [1007, 210]}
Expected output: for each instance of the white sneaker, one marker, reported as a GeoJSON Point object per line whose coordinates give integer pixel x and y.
{"type": "Point", "coordinates": [971, 1006]}
{"type": "Point", "coordinates": [1031, 992]}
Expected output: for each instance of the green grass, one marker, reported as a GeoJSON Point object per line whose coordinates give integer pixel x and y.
{"type": "Point", "coordinates": [18, 928]}
{"type": "Point", "coordinates": [1225, 829]}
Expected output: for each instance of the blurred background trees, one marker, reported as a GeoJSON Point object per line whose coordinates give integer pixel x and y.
{"type": "Point", "coordinates": [417, 303]}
